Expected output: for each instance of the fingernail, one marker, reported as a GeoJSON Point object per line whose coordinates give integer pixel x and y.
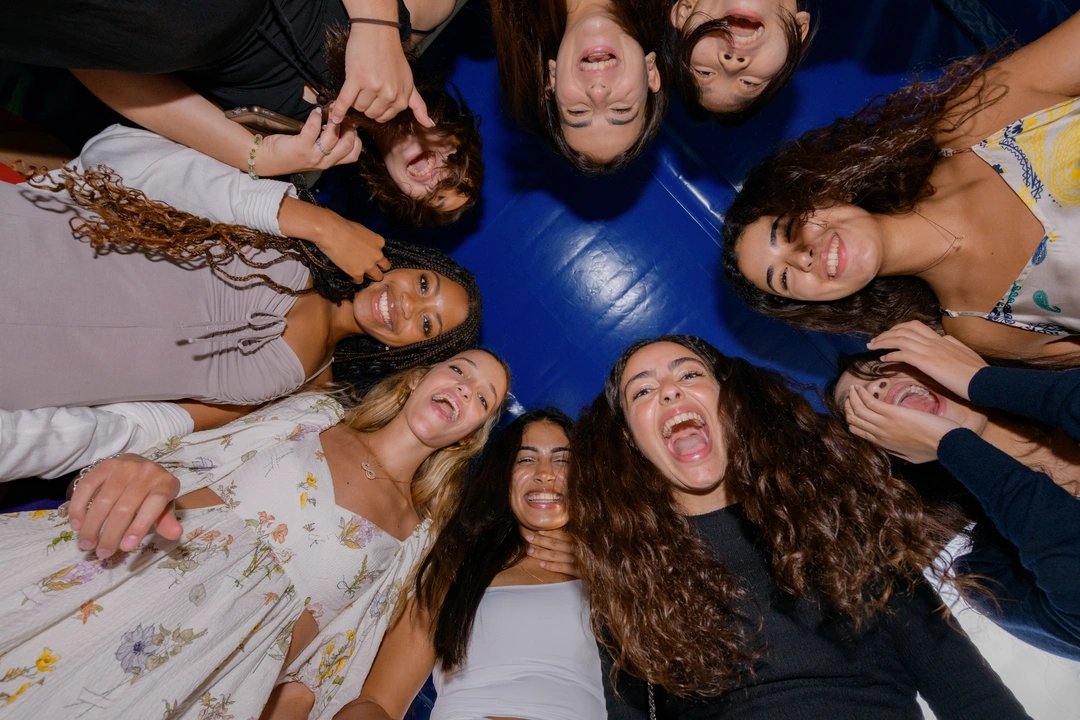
{"type": "Point", "coordinates": [128, 543]}
{"type": "Point", "coordinates": [529, 551]}
{"type": "Point", "coordinates": [543, 565]}
{"type": "Point", "coordinates": [85, 544]}
{"type": "Point", "coordinates": [318, 110]}
{"type": "Point", "coordinates": [75, 524]}
{"type": "Point", "coordinates": [529, 537]}
{"type": "Point", "coordinates": [102, 553]}
{"type": "Point", "coordinates": [336, 119]}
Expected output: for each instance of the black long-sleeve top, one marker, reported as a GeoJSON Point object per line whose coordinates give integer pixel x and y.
{"type": "Point", "coordinates": [817, 669]}
{"type": "Point", "coordinates": [1031, 553]}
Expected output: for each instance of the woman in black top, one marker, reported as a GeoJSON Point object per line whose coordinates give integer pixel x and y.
{"type": "Point", "coordinates": [925, 397]}
{"type": "Point", "coordinates": [794, 588]}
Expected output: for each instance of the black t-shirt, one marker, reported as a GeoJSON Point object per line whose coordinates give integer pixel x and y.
{"type": "Point", "coordinates": [816, 669]}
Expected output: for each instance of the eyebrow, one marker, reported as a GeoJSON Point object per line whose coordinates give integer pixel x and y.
{"type": "Point", "coordinates": [584, 124]}
{"type": "Point", "coordinates": [772, 243]}
{"type": "Point", "coordinates": [530, 448]}
{"type": "Point", "coordinates": [652, 373]}
{"type": "Point", "coordinates": [627, 121]}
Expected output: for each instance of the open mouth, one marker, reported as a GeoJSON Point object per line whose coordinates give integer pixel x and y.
{"type": "Point", "coordinates": [745, 30]}
{"type": "Point", "coordinates": [422, 166]}
{"type": "Point", "coordinates": [832, 259]}
{"type": "Point", "coordinates": [686, 436]}
{"type": "Point", "coordinates": [446, 405]}
{"type": "Point", "coordinates": [916, 397]}
{"type": "Point", "coordinates": [598, 60]}
{"type": "Point", "coordinates": [382, 308]}
{"type": "Point", "coordinates": [543, 500]}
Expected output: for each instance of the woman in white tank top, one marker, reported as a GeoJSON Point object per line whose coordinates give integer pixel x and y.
{"type": "Point", "coordinates": [508, 635]}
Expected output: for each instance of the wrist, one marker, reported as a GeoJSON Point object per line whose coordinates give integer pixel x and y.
{"type": "Point", "coordinates": [379, 9]}
{"type": "Point", "coordinates": [305, 221]}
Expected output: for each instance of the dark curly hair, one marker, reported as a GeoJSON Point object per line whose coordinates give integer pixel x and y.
{"type": "Point", "coordinates": [835, 524]}
{"type": "Point", "coordinates": [125, 218]}
{"type": "Point", "coordinates": [528, 34]}
{"type": "Point", "coordinates": [880, 159]}
{"type": "Point", "coordinates": [454, 122]}
{"type": "Point", "coordinates": [679, 45]}
{"type": "Point", "coordinates": [480, 540]}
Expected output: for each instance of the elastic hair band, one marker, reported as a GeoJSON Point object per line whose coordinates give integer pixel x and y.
{"type": "Point", "coordinates": [374, 21]}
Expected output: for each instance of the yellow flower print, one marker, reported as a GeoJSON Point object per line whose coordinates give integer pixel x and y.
{"type": "Point", "coordinates": [11, 698]}
{"type": "Point", "coordinates": [1052, 237]}
{"type": "Point", "coordinates": [303, 500]}
{"type": "Point", "coordinates": [351, 635]}
{"type": "Point", "coordinates": [35, 514]}
{"type": "Point", "coordinates": [312, 482]}
{"type": "Point", "coordinates": [46, 661]}
{"type": "Point", "coordinates": [329, 649]}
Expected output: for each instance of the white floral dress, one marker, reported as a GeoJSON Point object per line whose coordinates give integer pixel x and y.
{"type": "Point", "coordinates": [199, 628]}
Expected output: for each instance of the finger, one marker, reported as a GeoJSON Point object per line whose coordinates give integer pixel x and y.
{"type": "Point", "coordinates": [120, 517]}
{"type": "Point", "coordinates": [341, 150]}
{"type": "Point", "coordinates": [354, 154]}
{"type": "Point", "coordinates": [312, 127]}
{"type": "Point", "coordinates": [329, 135]}
{"type": "Point", "coordinates": [153, 509]}
{"type": "Point", "coordinates": [419, 109]}
{"type": "Point", "coordinates": [167, 525]}
{"type": "Point", "coordinates": [551, 543]}
{"type": "Point", "coordinates": [570, 569]}
{"type": "Point", "coordinates": [374, 273]}
{"type": "Point", "coordinates": [549, 554]}
{"type": "Point", "coordinates": [82, 494]}
{"type": "Point", "coordinates": [383, 264]}
{"type": "Point", "coordinates": [104, 499]}
{"type": "Point", "coordinates": [378, 108]}
{"type": "Point", "coordinates": [350, 96]}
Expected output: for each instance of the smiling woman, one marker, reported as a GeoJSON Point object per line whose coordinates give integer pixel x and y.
{"type": "Point", "coordinates": [728, 58]}
{"type": "Point", "coordinates": [597, 96]}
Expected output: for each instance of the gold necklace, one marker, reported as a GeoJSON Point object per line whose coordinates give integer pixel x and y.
{"type": "Point", "coordinates": [956, 239]}
{"type": "Point", "coordinates": [369, 468]}
{"type": "Point", "coordinates": [542, 581]}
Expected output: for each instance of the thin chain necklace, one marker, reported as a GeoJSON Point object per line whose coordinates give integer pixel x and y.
{"type": "Point", "coordinates": [956, 239]}
{"type": "Point", "coordinates": [369, 467]}
{"type": "Point", "coordinates": [541, 580]}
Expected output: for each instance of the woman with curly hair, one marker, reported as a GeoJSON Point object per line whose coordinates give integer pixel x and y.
{"type": "Point", "coordinates": [1009, 436]}
{"type": "Point", "coordinates": [583, 75]}
{"type": "Point", "coordinates": [729, 58]}
{"type": "Point", "coordinates": [334, 64]}
{"type": "Point", "coordinates": [750, 556]}
{"type": "Point", "coordinates": [283, 544]}
{"type": "Point", "coordinates": [935, 204]}
{"type": "Point", "coordinates": [235, 294]}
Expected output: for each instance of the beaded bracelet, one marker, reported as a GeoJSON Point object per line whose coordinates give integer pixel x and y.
{"type": "Point", "coordinates": [251, 158]}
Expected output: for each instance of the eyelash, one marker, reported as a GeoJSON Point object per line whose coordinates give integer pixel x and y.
{"type": "Point", "coordinates": [686, 376]}
{"type": "Point", "coordinates": [621, 111]}
{"type": "Point", "coordinates": [704, 73]}
{"type": "Point", "coordinates": [576, 113]}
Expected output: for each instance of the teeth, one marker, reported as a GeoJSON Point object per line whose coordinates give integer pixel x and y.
{"type": "Point", "coordinates": [747, 39]}
{"type": "Point", "coordinates": [681, 418]}
{"type": "Point", "coordinates": [421, 168]}
{"type": "Point", "coordinates": [833, 258]}
{"type": "Point", "coordinates": [910, 390]}
{"type": "Point", "coordinates": [449, 400]}
{"type": "Point", "coordinates": [602, 65]}
{"type": "Point", "coordinates": [384, 308]}
{"type": "Point", "coordinates": [543, 497]}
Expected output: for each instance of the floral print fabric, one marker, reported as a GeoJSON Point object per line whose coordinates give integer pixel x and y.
{"type": "Point", "coordinates": [200, 627]}
{"type": "Point", "coordinates": [1039, 157]}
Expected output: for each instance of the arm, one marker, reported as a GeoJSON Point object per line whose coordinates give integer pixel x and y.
{"type": "Point", "coordinates": [949, 672]}
{"type": "Point", "coordinates": [404, 661]}
{"type": "Point", "coordinates": [1046, 396]}
{"type": "Point", "coordinates": [50, 442]}
{"type": "Point", "coordinates": [167, 106]}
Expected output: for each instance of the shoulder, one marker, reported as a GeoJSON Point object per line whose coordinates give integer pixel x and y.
{"type": "Point", "coordinates": [302, 413]}
{"type": "Point", "coordinates": [995, 339]}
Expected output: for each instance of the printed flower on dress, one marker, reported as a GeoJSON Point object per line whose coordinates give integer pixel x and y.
{"type": "Point", "coordinates": [80, 573]}
{"type": "Point", "coordinates": [26, 676]}
{"type": "Point", "coordinates": [362, 580]}
{"type": "Point", "coordinates": [136, 648]}
{"type": "Point", "coordinates": [145, 649]}
{"type": "Point", "coordinates": [308, 484]}
{"type": "Point", "coordinates": [356, 532]}
{"type": "Point", "coordinates": [214, 708]}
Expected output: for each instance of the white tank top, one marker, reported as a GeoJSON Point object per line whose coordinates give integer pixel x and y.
{"type": "Point", "coordinates": [531, 656]}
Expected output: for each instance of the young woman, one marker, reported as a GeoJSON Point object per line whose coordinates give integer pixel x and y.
{"type": "Point", "coordinates": [583, 75]}
{"type": "Point", "coordinates": [935, 204]}
{"type": "Point", "coordinates": [749, 556]}
{"type": "Point", "coordinates": [728, 58]}
{"type": "Point", "coordinates": [1009, 436]}
{"type": "Point", "coordinates": [270, 53]}
{"type": "Point", "coordinates": [163, 303]}
{"type": "Point", "coordinates": [297, 529]}
{"type": "Point", "coordinates": [478, 583]}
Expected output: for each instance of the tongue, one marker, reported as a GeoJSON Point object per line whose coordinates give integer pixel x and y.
{"type": "Point", "coordinates": [745, 26]}
{"type": "Point", "coordinates": [921, 403]}
{"type": "Point", "coordinates": [598, 57]}
{"type": "Point", "coordinates": [689, 444]}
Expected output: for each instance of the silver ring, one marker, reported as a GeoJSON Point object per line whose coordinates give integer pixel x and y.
{"type": "Point", "coordinates": [318, 144]}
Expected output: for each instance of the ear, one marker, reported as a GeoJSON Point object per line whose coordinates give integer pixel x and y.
{"type": "Point", "coordinates": [802, 19]}
{"type": "Point", "coordinates": [629, 438]}
{"type": "Point", "coordinates": [652, 73]}
{"type": "Point", "coordinates": [551, 77]}
{"type": "Point", "coordinates": [680, 11]}
{"type": "Point", "coordinates": [414, 381]}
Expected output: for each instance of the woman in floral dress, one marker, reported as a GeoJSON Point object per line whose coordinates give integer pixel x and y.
{"type": "Point", "coordinates": [300, 525]}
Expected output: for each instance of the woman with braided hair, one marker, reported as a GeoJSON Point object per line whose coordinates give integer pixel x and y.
{"type": "Point", "coordinates": [109, 296]}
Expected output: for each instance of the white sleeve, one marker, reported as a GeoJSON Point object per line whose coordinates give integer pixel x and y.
{"type": "Point", "coordinates": [49, 442]}
{"type": "Point", "coordinates": [186, 179]}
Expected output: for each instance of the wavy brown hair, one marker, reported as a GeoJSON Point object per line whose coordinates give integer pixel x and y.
{"type": "Point", "coordinates": [879, 159]}
{"type": "Point", "coordinates": [454, 123]}
{"type": "Point", "coordinates": [679, 45]}
{"type": "Point", "coordinates": [125, 220]}
{"type": "Point", "coordinates": [835, 525]}
{"type": "Point", "coordinates": [528, 34]}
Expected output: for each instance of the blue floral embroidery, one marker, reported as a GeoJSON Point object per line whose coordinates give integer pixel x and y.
{"type": "Point", "coordinates": [1030, 177]}
{"type": "Point", "coordinates": [1043, 300]}
{"type": "Point", "coordinates": [1040, 254]}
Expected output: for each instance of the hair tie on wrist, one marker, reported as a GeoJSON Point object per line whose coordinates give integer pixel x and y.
{"type": "Point", "coordinates": [374, 21]}
{"type": "Point", "coordinates": [251, 158]}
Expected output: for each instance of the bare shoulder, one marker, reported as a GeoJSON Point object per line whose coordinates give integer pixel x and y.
{"type": "Point", "coordinates": [989, 338]}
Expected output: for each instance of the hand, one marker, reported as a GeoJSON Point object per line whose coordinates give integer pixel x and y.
{"type": "Point", "coordinates": [906, 433]}
{"type": "Point", "coordinates": [130, 495]}
{"type": "Point", "coordinates": [378, 79]}
{"type": "Point", "coordinates": [353, 248]}
{"type": "Point", "coordinates": [554, 550]}
{"type": "Point", "coordinates": [286, 154]}
{"type": "Point", "coordinates": [943, 358]}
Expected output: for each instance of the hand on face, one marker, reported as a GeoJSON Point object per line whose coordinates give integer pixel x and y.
{"type": "Point", "coordinates": [601, 79]}
{"type": "Point", "coordinates": [355, 249]}
{"type": "Point", "coordinates": [455, 398]}
{"type": "Point", "coordinates": [731, 72]}
{"type": "Point", "coordinates": [538, 496]}
{"type": "Point", "coordinates": [943, 358]}
{"type": "Point", "coordinates": [671, 403]}
{"type": "Point", "coordinates": [904, 432]}
{"type": "Point", "coordinates": [126, 496]}
{"type": "Point", "coordinates": [410, 305]}
{"type": "Point", "coordinates": [834, 254]}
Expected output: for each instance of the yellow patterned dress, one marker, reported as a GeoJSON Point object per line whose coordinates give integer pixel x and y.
{"type": "Point", "coordinates": [1039, 157]}
{"type": "Point", "coordinates": [199, 628]}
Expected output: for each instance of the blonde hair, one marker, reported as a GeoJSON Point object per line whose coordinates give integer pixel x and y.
{"type": "Point", "coordinates": [438, 480]}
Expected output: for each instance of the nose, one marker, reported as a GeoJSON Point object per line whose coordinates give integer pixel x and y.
{"type": "Point", "coordinates": [545, 471]}
{"type": "Point", "coordinates": [878, 388]}
{"type": "Point", "coordinates": [670, 392]}
{"type": "Point", "coordinates": [804, 258]}
{"type": "Point", "coordinates": [598, 91]}
{"type": "Point", "coordinates": [464, 389]}
{"type": "Point", "coordinates": [405, 305]}
{"type": "Point", "coordinates": [733, 62]}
